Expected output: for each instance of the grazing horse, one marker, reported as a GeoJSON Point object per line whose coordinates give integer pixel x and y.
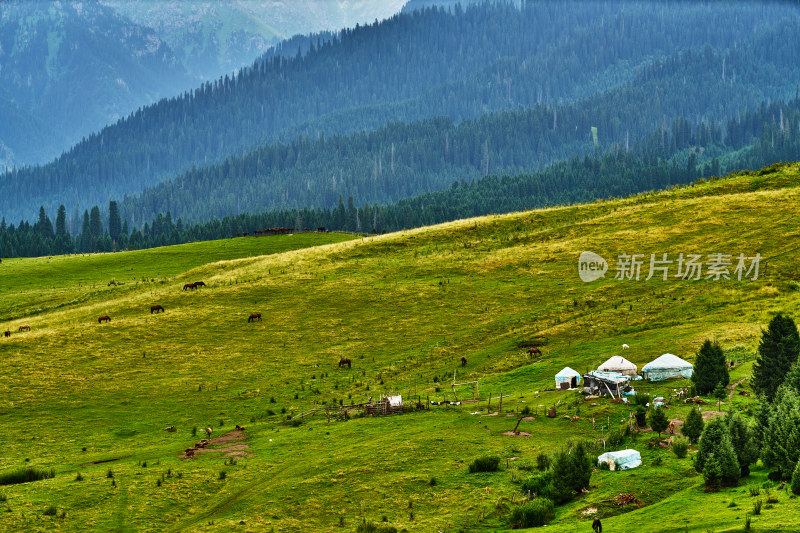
{"type": "Point", "coordinates": [208, 432]}
{"type": "Point", "coordinates": [534, 351]}
{"type": "Point", "coordinates": [254, 316]}
{"type": "Point", "coordinates": [102, 318]}
{"type": "Point", "coordinates": [671, 428]}
{"type": "Point", "coordinates": [25, 327]}
{"type": "Point", "coordinates": [189, 286]}
{"type": "Point", "coordinates": [198, 284]}
{"type": "Point", "coordinates": [7, 333]}
{"type": "Point", "coordinates": [344, 361]}
{"type": "Point", "coordinates": [463, 361]}
{"type": "Point", "coordinates": [156, 309]}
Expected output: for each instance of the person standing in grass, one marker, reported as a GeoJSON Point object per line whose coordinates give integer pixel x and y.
{"type": "Point", "coordinates": [597, 525]}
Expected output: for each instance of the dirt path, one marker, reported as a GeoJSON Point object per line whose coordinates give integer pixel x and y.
{"type": "Point", "coordinates": [733, 388]}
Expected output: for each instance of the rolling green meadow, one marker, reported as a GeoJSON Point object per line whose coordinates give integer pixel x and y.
{"type": "Point", "coordinates": [91, 400]}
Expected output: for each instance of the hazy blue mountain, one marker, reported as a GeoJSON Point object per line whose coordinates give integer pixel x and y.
{"type": "Point", "coordinates": [212, 38]}
{"type": "Point", "coordinates": [69, 68]}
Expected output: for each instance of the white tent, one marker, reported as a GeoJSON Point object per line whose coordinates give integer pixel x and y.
{"type": "Point", "coordinates": [667, 366]}
{"type": "Point", "coordinates": [619, 365]}
{"type": "Point", "coordinates": [621, 460]}
{"type": "Point", "coordinates": [568, 376]}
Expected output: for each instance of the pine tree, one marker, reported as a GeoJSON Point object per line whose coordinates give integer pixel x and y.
{"type": "Point", "coordinates": [61, 221]}
{"type": "Point", "coordinates": [781, 441]}
{"type": "Point", "coordinates": [743, 440]}
{"type": "Point", "coordinates": [719, 394]}
{"type": "Point", "coordinates": [95, 224]}
{"type": "Point", "coordinates": [795, 486]}
{"type": "Point", "coordinates": [114, 222]}
{"type": "Point", "coordinates": [693, 426]}
{"type": "Point", "coordinates": [710, 368]}
{"type": "Point", "coordinates": [658, 420]}
{"type": "Point", "coordinates": [777, 351]}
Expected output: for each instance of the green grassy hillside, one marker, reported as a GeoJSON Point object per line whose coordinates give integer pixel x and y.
{"type": "Point", "coordinates": [89, 398]}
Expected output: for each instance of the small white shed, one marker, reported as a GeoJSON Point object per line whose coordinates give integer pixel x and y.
{"type": "Point", "coordinates": [567, 379]}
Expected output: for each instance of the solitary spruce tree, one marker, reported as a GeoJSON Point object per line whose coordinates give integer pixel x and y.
{"type": "Point", "coordinates": [693, 427]}
{"type": "Point", "coordinates": [777, 351]}
{"type": "Point", "coordinates": [710, 368]}
{"type": "Point", "coordinates": [658, 420]}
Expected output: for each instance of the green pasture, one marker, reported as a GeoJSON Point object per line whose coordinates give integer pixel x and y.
{"type": "Point", "coordinates": [82, 397]}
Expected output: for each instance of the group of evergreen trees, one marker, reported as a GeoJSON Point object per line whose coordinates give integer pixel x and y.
{"type": "Point", "coordinates": [730, 444]}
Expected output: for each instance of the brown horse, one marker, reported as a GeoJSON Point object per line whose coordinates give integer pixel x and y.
{"type": "Point", "coordinates": [156, 309]}
{"type": "Point", "coordinates": [104, 318]}
{"type": "Point", "coordinates": [344, 361]}
{"type": "Point", "coordinates": [7, 333]}
{"type": "Point", "coordinates": [198, 284]}
{"type": "Point", "coordinates": [189, 286]}
{"type": "Point", "coordinates": [254, 316]}
{"type": "Point", "coordinates": [25, 327]}
{"type": "Point", "coordinates": [534, 351]}
{"type": "Point", "coordinates": [463, 361]}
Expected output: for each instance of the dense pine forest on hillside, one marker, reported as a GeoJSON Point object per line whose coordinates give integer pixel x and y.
{"type": "Point", "coordinates": [690, 60]}
{"type": "Point", "coordinates": [668, 156]}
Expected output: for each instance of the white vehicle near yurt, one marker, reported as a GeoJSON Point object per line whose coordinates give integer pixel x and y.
{"type": "Point", "coordinates": [620, 365]}
{"type": "Point", "coordinates": [568, 379]}
{"type": "Point", "coordinates": [667, 366]}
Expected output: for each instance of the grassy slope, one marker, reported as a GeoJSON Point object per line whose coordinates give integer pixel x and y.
{"type": "Point", "coordinates": [404, 307]}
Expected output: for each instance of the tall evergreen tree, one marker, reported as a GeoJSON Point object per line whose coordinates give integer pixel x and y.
{"type": "Point", "coordinates": [693, 426]}
{"type": "Point", "coordinates": [86, 233]}
{"type": "Point", "coordinates": [114, 222]}
{"type": "Point", "coordinates": [777, 351]}
{"type": "Point", "coordinates": [710, 368]}
{"type": "Point", "coordinates": [61, 221]}
{"type": "Point", "coordinates": [95, 224]}
{"type": "Point", "coordinates": [781, 445]}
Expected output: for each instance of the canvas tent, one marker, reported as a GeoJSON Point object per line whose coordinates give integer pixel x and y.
{"type": "Point", "coordinates": [621, 460]}
{"type": "Point", "coordinates": [620, 365]}
{"type": "Point", "coordinates": [667, 366]}
{"type": "Point", "coordinates": [567, 378]}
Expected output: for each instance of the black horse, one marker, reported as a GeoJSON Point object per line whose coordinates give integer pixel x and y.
{"type": "Point", "coordinates": [344, 361]}
{"type": "Point", "coordinates": [156, 309]}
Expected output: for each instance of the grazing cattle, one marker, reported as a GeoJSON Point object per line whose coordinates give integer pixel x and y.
{"type": "Point", "coordinates": [254, 316]}
{"type": "Point", "coordinates": [239, 428]}
{"type": "Point", "coordinates": [671, 428]}
{"type": "Point", "coordinates": [344, 361]}
{"type": "Point", "coordinates": [625, 346]}
{"type": "Point", "coordinates": [208, 432]}
{"type": "Point", "coordinates": [534, 351]}
{"type": "Point", "coordinates": [156, 309]}
{"type": "Point", "coordinates": [7, 333]}
{"type": "Point", "coordinates": [189, 286]}
{"type": "Point", "coordinates": [189, 453]}
{"type": "Point", "coordinates": [103, 318]}
{"type": "Point", "coordinates": [463, 361]}
{"type": "Point", "coordinates": [199, 284]}
{"type": "Point", "coordinates": [25, 327]}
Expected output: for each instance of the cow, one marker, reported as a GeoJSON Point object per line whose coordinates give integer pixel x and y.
{"type": "Point", "coordinates": [25, 327]}
{"type": "Point", "coordinates": [156, 309]}
{"type": "Point", "coordinates": [254, 316]}
{"type": "Point", "coordinates": [7, 333]}
{"type": "Point", "coordinates": [463, 361]}
{"type": "Point", "coordinates": [344, 361]}
{"type": "Point", "coordinates": [103, 318]}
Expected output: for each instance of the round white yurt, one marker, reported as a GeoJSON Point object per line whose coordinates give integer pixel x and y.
{"type": "Point", "coordinates": [567, 379]}
{"type": "Point", "coordinates": [667, 366]}
{"type": "Point", "coordinates": [620, 365]}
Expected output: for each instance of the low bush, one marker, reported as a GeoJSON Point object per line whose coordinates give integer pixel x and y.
{"type": "Point", "coordinates": [534, 513]}
{"type": "Point", "coordinates": [50, 511]}
{"type": "Point", "coordinates": [487, 463]}
{"type": "Point", "coordinates": [757, 507]}
{"type": "Point", "coordinates": [680, 446]}
{"type": "Point", "coordinates": [543, 461]}
{"type": "Point", "coordinates": [371, 527]}
{"type": "Point", "coordinates": [538, 485]}
{"type": "Point", "coordinates": [755, 490]}
{"type": "Point", "coordinates": [616, 440]}
{"type": "Point", "coordinates": [24, 475]}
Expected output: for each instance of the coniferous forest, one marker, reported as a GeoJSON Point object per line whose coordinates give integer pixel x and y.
{"type": "Point", "coordinates": [429, 116]}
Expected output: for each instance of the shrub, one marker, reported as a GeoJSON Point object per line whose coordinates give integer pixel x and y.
{"type": "Point", "coordinates": [543, 461]}
{"type": "Point", "coordinates": [712, 475]}
{"type": "Point", "coordinates": [50, 511]}
{"type": "Point", "coordinates": [534, 513]}
{"type": "Point", "coordinates": [693, 426]}
{"type": "Point", "coordinates": [747, 522]}
{"type": "Point", "coordinates": [616, 440]}
{"type": "Point", "coordinates": [571, 473]}
{"type": "Point", "coordinates": [658, 461]}
{"type": "Point", "coordinates": [641, 400]}
{"type": "Point", "coordinates": [24, 475]}
{"type": "Point", "coordinates": [3, 497]}
{"type": "Point", "coordinates": [223, 474]}
{"type": "Point", "coordinates": [757, 507]}
{"type": "Point", "coordinates": [487, 463]}
{"type": "Point", "coordinates": [539, 485]}
{"type": "Point", "coordinates": [370, 527]}
{"type": "Point", "coordinates": [755, 490]}
{"type": "Point", "coordinates": [658, 420]}
{"type": "Point", "coordinates": [79, 477]}
{"type": "Point", "coordinates": [680, 445]}
{"type": "Point", "coordinates": [795, 485]}
{"type": "Point", "coordinates": [525, 411]}
{"type": "Point", "coordinates": [432, 482]}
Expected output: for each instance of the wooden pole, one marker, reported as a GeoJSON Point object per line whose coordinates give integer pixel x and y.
{"type": "Point", "coordinates": [489, 407]}
{"type": "Point", "coordinates": [500, 409]}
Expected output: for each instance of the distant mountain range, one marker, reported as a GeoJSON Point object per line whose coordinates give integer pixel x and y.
{"type": "Point", "coordinates": [69, 68]}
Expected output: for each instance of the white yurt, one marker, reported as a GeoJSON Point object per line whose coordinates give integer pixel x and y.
{"type": "Point", "coordinates": [567, 378]}
{"type": "Point", "coordinates": [620, 365]}
{"type": "Point", "coordinates": [667, 366]}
